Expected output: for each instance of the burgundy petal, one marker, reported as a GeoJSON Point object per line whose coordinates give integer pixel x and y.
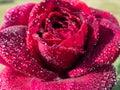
{"type": "Point", "coordinates": [81, 6]}
{"type": "Point", "coordinates": [104, 14]}
{"type": "Point", "coordinates": [51, 39]}
{"type": "Point", "coordinates": [17, 15]}
{"type": "Point", "coordinates": [77, 40]}
{"type": "Point", "coordinates": [34, 23]}
{"type": "Point", "coordinates": [78, 5]}
{"type": "Point", "coordinates": [40, 10]}
{"type": "Point", "coordinates": [102, 79]}
{"type": "Point", "coordinates": [105, 52]}
{"type": "Point", "coordinates": [14, 51]}
{"type": "Point", "coordinates": [93, 33]}
{"type": "Point", "coordinates": [57, 58]}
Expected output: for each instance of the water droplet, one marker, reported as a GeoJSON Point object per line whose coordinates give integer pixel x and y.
{"type": "Point", "coordinates": [43, 7]}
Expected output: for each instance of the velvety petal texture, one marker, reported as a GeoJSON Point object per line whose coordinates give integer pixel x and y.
{"type": "Point", "coordinates": [58, 45]}
{"type": "Point", "coordinates": [103, 78]}
{"type": "Point", "coordinates": [104, 14]}
{"type": "Point", "coordinates": [14, 80]}
{"type": "Point", "coordinates": [100, 79]}
{"type": "Point", "coordinates": [14, 51]}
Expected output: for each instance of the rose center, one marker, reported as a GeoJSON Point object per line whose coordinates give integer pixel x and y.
{"type": "Point", "coordinates": [59, 25]}
{"type": "Point", "coordinates": [58, 21]}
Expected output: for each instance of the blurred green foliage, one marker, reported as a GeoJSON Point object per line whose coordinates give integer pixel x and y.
{"type": "Point", "coordinates": [6, 1]}
{"type": "Point", "coordinates": [108, 5]}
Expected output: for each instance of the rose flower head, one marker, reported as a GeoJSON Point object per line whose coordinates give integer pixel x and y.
{"type": "Point", "coordinates": [58, 45]}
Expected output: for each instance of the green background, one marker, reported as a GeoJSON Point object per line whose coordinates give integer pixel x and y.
{"type": "Point", "coordinates": [112, 6]}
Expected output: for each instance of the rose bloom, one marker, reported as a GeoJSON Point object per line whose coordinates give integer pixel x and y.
{"type": "Point", "coordinates": [58, 45]}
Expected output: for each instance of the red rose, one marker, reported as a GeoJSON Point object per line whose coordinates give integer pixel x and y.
{"type": "Point", "coordinates": [58, 45]}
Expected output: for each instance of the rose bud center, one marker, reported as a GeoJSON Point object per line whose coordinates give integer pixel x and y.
{"type": "Point", "coordinates": [58, 34]}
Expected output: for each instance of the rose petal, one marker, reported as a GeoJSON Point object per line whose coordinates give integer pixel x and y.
{"type": "Point", "coordinates": [93, 33]}
{"type": "Point", "coordinates": [79, 5]}
{"type": "Point", "coordinates": [57, 58]}
{"type": "Point", "coordinates": [17, 15]}
{"type": "Point", "coordinates": [35, 14]}
{"type": "Point", "coordinates": [101, 79]}
{"type": "Point", "coordinates": [105, 52]}
{"type": "Point", "coordinates": [104, 14]}
{"type": "Point", "coordinates": [34, 23]}
{"type": "Point", "coordinates": [14, 80]}
{"type": "Point", "coordinates": [113, 48]}
{"type": "Point", "coordinates": [77, 40]}
{"type": "Point", "coordinates": [14, 51]}
{"type": "Point", "coordinates": [51, 39]}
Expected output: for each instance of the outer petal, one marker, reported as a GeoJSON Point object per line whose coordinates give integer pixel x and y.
{"type": "Point", "coordinates": [17, 15]}
{"type": "Point", "coordinates": [79, 5]}
{"type": "Point", "coordinates": [101, 79]}
{"type": "Point", "coordinates": [14, 51]}
{"type": "Point", "coordinates": [104, 14]}
{"type": "Point", "coordinates": [14, 80]}
{"type": "Point", "coordinates": [105, 52]}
